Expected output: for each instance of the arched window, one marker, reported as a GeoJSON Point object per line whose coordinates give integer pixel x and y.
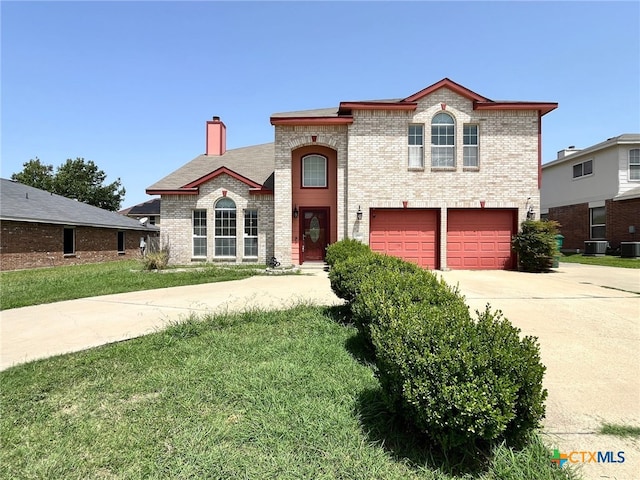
{"type": "Point", "coordinates": [443, 143]}
{"type": "Point", "coordinates": [634, 164]}
{"type": "Point", "coordinates": [225, 228]}
{"type": "Point", "coordinates": [314, 171]}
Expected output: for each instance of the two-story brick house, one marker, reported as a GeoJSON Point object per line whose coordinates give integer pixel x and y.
{"type": "Point", "coordinates": [594, 193]}
{"type": "Point", "coordinates": [442, 178]}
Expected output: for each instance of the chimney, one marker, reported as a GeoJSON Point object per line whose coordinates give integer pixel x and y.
{"type": "Point", "coordinates": [216, 137]}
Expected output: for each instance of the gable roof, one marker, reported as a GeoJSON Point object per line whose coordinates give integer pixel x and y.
{"type": "Point", "coordinates": [22, 203]}
{"type": "Point", "coordinates": [343, 114]}
{"type": "Point", "coordinates": [150, 207]}
{"type": "Point", "coordinates": [253, 166]}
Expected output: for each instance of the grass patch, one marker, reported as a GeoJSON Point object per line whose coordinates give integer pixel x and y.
{"type": "Point", "coordinates": [255, 395]}
{"type": "Point", "coordinates": [33, 287]}
{"type": "Point", "coordinates": [606, 261]}
{"type": "Point", "coordinates": [620, 430]}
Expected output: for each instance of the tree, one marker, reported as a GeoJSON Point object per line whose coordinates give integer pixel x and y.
{"type": "Point", "coordinates": [77, 179]}
{"type": "Point", "coordinates": [35, 174]}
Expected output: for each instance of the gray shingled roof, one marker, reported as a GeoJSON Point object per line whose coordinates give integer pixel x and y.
{"type": "Point", "coordinates": [150, 207]}
{"type": "Point", "coordinates": [22, 203]}
{"type": "Point", "coordinates": [257, 163]}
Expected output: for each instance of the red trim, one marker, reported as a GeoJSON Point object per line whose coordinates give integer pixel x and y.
{"type": "Point", "coordinates": [378, 106]}
{"type": "Point", "coordinates": [260, 191]}
{"type": "Point", "coordinates": [175, 191]}
{"type": "Point", "coordinates": [451, 85]}
{"type": "Point", "coordinates": [218, 172]}
{"type": "Point", "coordinates": [311, 121]}
{"type": "Point", "coordinates": [543, 108]}
{"type": "Point", "coordinates": [540, 150]}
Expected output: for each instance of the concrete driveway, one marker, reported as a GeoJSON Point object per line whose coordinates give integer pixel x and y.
{"type": "Point", "coordinates": [587, 320]}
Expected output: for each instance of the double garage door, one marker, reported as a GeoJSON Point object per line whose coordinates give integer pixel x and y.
{"type": "Point", "coordinates": [477, 239]}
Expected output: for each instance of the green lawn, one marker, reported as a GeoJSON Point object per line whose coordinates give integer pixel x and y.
{"type": "Point", "coordinates": [287, 395]}
{"type": "Point", "coordinates": [606, 261]}
{"type": "Point", "coordinates": [46, 285]}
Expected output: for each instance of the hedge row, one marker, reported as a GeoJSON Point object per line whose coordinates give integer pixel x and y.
{"type": "Point", "coordinates": [463, 381]}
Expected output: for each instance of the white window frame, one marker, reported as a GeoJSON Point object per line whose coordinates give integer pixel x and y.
{"type": "Point", "coordinates": [471, 151]}
{"type": "Point", "coordinates": [199, 232]}
{"type": "Point", "coordinates": [634, 165]}
{"type": "Point", "coordinates": [443, 142]}
{"type": "Point", "coordinates": [582, 169]}
{"type": "Point", "coordinates": [415, 140]}
{"type": "Point", "coordinates": [311, 173]}
{"type": "Point", "coordinates": [251, 233]}
{"type": "Point", "coordinates": [593, 225]}
{"type": "Point", "coordinates": [225, 229]}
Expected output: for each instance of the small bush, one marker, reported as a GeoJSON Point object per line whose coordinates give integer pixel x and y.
{"type": "Point", "coordinates": [348, 248]}
{"type": "Point", "coordinates": [156, 260]}
{"type": "Point", "coordinates": [536, 245]}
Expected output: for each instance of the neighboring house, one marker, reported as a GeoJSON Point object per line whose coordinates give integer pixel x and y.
{"type": "Point", "coordinates": [442, 178]}
{"type": "Point", "coordinates": [149, 210]}
{"type": "Point", "coordinates": [594, 193]}
{"type": "Point", "coordinates": [41, 229]}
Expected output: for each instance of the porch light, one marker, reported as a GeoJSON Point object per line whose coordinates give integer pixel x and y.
{"type": "Point", "coordinates": [359, 213]}
{"type": "Point", "coordinates": [295, 212]}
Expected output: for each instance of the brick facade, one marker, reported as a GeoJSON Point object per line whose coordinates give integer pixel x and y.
{"type": "Point", "coordinates": [575, 223]}
{"type": "Point", "coordinates": [33, 245]}
{"type": "Point", "coordinates": [177, 221]}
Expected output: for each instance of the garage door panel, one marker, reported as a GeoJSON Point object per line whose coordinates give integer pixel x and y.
{"type": "Point", "coordinates": [410, 234]}
{"type": "Point", "coordinates": [480, 239]}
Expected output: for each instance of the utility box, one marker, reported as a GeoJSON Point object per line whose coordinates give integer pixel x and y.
{"type": "Point", "coordinates": [630, 249]}
{"type": "Point", "coordinates": [595, 248]}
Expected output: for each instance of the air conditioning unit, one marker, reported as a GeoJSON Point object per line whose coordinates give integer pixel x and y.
{"type": "Point", "coordinates": [630, 249]}
{"type": "Point", "coordinates": [595, 248]}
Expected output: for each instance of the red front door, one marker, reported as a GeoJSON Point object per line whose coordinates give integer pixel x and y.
{"type": "Point", "coordinates": [314, 233]}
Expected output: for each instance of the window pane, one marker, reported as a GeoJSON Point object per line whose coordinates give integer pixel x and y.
{"type": "Point", "coordinates": [225, 228]}
{"type": "Point", "coordinates": [587, 168]}
{"type": "Point", "coordinates": [416, 158]}
{"type": "Point", "coordinates": [598, 216]}
{"type": "Point", "coordinates": [314, 171]}
{"type": "Point", "coordinates": [577, 170]}
{"type": "Point", "coordinates": [598, 232]}
{"type": "Point", "coordinates": [470, 156]}
{"type": "Point", "coordinates": [634, 164]}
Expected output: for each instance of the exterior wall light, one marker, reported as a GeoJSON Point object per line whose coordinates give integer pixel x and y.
{"type": "Point", "coordinates": [359, 213]}
{"type": "Point", "coordinates": [295, 212]}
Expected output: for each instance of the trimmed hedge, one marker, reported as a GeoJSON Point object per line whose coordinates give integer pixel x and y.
{"type": "Point", "coordinates": [536, 245]}
{"type": "Point", "coordinates": [348, 248]}
{"type": "Point", "coordinates": [463, 381]}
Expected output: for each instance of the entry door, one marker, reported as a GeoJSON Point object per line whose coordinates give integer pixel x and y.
{"type": "Point", "coordinates": [314, 234]}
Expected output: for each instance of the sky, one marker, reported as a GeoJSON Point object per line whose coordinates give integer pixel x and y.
{"type": "Point", "coordinates": [130, 85]}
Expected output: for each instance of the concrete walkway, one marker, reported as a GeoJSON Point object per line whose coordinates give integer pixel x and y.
{"type": "Point", "coordinates": [587, 320]}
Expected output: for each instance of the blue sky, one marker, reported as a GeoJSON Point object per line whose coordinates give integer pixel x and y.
{"type": "Point", "coordinates": [130, 85]}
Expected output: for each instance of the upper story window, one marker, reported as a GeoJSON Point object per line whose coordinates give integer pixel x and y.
{"type": "Point", "coordinates": [634, 164]}
{"type": "Point", "coordinates": [470, 146]}
{"type": "Point", "coordinates": [416, 146]}
{"type": "Point", "coordinates": [314, 171]}
{"type": "Point", "coordinates": [443, 141]}
{"type": "Point", "coordinates": [225, 228]}
{"type": "Point", "coordinates": [582, 169]}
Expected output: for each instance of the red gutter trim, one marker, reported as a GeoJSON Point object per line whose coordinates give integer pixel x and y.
{"type": "Point", "coordinates": [451, 85]}
{"type": "Point", "coordinates": [218, 172]}
{"type": "Point", "coordinates": [260, 191]}
{"type": "Point", "coordinates": [378, 106]}
{"type": "Point", "coordinates": [311, 121]}
{"type": "Point", "coordinates": [540, 150]}
{"type": "Point", "coordinates": [543, 108]}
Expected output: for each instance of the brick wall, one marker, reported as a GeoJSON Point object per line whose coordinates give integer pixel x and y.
{"type": "Point", "coordinates": [33, 245]}
{"type": "Point", "coordinates": [575, 223]}
{"type": "Point", "coordinates": [177, 221]}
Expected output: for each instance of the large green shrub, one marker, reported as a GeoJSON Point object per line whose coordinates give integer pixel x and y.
{"type": "Point", "coordinates": [464, 383]}
{"type": "Point", "coordinates": [348, 248]}
{"type": "Point", "coordinates": [536, 245]}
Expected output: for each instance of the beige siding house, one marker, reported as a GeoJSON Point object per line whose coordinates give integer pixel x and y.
{"type": "Point", "coordinates": [441, 178]}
